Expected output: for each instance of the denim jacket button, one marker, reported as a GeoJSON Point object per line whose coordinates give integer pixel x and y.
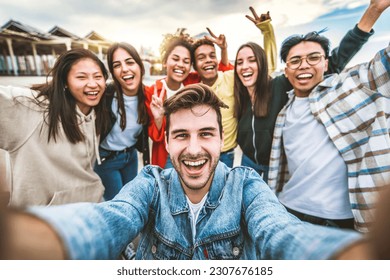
{"type": "Point", "coordinates": [154, 249]}
{"type": "Point", "coordinates": [236, 251]}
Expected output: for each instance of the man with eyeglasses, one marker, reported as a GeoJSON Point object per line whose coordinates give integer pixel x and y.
{"type": "Point", "coordinates": [331, 149]}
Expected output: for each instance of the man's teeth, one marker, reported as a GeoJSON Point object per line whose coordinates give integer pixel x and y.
{"type": "Point", "coordinates": [304, 76]}
{"type": "Point", "coordinates": [194, 163]}
{"type": "Point", "coordinates": [94, 93]}
{"type": "Point", "coordinates": [209, 68]}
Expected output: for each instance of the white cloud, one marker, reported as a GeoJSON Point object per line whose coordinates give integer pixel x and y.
{"type": "Point", "coordinates": [143, 22]}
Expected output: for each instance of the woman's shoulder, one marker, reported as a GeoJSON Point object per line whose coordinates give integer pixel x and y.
{"type": "Point", "coordinates": [23, 96]}
{"type": "Point", "coordinates": [156, 86]}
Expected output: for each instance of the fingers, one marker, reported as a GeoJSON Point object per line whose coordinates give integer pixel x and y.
{"type": "Point", "coordinates": [211, 33]}
{"type": "Point", "coordinates": [160, 94]}
{"type": "Point", "coordinates": [157, 102]}
{"type": "Point", "coordinates": [209, 38]}
{"type": "Point", "coordinates": [155, 90]}
{"type": "Point", "coordinates": [250, 18]}
{"type": "Point", "coordinates": [157, 106]}
{"type": "Point", "coordinates": [254, 13]}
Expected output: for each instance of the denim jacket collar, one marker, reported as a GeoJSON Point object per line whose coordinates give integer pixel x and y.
{"type": "Point", "coordinates": [177, 200]}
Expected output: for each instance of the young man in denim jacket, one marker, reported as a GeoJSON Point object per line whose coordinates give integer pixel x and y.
{"type": "Point", "coordinates": [200, 209]}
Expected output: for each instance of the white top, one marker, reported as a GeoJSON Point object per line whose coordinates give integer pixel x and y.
{"type": "Point", "coordinates": [170, 92]}
{"type": "Point", "coordinates": [318, 185]}
{"type": "Point", "coordinates": [194, 212]}
{"type": "Point", "coordinates": [117, 139]}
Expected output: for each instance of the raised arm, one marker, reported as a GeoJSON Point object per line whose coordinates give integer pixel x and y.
{"type": "Point", "coordinates": [371, 15]}
{"type": "Point", "coordinates": [220, 41]}
{"type": "Point", "coordinates": [356, 37]}
{"type": "Point", "coordinates": [263, 22]}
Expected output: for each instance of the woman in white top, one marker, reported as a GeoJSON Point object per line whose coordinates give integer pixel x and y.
{"type": "Point", "coordinates": [129, 120]}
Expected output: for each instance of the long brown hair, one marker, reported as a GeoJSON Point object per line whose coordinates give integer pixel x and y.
{"type": "Point", "coordinates": [62, 107]}
{"type": "Point", "coordinates": [141, 109]}
{"type": "Point", "coordinates": [262, 98]}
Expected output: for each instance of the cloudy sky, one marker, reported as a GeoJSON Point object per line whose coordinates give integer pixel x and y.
{"type": "Point", "coordinates": [143, 22]}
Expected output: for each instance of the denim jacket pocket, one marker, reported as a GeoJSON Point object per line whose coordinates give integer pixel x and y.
{"type": "Point", "coordinates": [162, 249]}
{"type": "Point", "coordinates": [228, 247]}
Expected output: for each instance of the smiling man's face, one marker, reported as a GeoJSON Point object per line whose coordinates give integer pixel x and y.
{"type": "Point", "coordinates": [194, 144]}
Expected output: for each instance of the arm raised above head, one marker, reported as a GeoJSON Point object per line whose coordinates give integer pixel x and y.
{"type": "Point", "coordinates": [355, 38]}
{"type": "Point", "coordinates": [372, 14]}
{"type": "Point", "coordinates": [263, 22]}
{"type": "Point", "coordinates": [220, 41]}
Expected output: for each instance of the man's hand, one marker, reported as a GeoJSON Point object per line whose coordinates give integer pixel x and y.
{"type": "Point", "coordinates": [220, 41]}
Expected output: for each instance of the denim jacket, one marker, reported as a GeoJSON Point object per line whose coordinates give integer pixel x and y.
{"type": "Point", "coordinates": [241, 219]}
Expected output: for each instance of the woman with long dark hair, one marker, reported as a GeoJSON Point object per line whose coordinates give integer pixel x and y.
{"type": "Point", "coordinates": [128, 120]}
{"type": "Point", "coordinates": [51, 133]}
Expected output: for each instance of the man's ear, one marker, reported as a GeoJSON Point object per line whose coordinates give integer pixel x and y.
{"type": "Point", "coordinates": [285, 72]}
{"type": "Point", "coordinates": [222, 140]}
{"type": "Point", "coordinates": [326, 65]}
{"type": "Point", "coordinates": [166, 141]}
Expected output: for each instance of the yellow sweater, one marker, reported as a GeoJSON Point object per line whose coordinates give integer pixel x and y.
{"type": "Point", "coordinates": [224, 87]}
{"type": "Point", "coordinates": [269, 44]}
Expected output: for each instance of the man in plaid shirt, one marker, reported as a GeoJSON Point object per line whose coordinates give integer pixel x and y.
{"type": "Point", "coordinates": [331, 150]}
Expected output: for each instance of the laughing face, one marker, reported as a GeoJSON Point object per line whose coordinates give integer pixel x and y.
{"type": "Point", "coordinates": [178, 66]}
{"type": "Point", "coordinates": [86, 83]}
{"type": "Point", "coordinates": [306, 77]}
{"type": "Point", "coordinates": [247, 69]}
{"type": "Point", "coordinates": [206, 62]}
{"type": "Point", "coordinates": [126, 71]}
{"type": "Point", "coordinates": [194, 144]}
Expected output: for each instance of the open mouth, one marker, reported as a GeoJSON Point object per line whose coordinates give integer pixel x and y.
{"type": "Point", "coordinates": [128, 77]}
{"type": "Point", "coordinates": [209, 68]}
{"type": "Point", "coordinates": [194, 165]}
{"type": "Point", "coordinates": [247, 75]}
{"type": "Point", "coordinates": [177, 71]}
{"type": "Point", "coordinates": [91, 93]}
{"type": "Point", "coordinates": [304, 76]}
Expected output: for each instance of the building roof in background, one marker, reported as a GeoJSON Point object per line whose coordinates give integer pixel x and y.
{"type": "Point", "coordinates": [61, 32]}
{"type": "Point", "coordinates": [56, 39]}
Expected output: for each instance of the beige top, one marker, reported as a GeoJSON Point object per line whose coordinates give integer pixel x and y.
{"type": "Point", "coordinates": [45, 173]}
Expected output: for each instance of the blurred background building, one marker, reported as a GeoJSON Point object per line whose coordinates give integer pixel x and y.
{"type": "Point", "coordinates": [28, 51]}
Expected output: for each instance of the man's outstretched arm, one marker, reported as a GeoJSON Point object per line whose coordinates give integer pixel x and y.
{"type": "Point", "coordinates": [27, 237]}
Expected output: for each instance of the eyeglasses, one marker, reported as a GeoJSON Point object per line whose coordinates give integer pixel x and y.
{"type": "Point", "coordinates": [311, 59]}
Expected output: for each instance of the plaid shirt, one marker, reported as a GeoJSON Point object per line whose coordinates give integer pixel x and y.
{"type": "Point", "coordinates": [354, 107]}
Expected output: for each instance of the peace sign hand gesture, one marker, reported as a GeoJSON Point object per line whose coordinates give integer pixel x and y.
{"type": "Point", "coordinates": [257, 19]}
{"type": "Point", "coordinates": [220, 40]}
{"type": "Point", "coordinates": [156, 106]}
